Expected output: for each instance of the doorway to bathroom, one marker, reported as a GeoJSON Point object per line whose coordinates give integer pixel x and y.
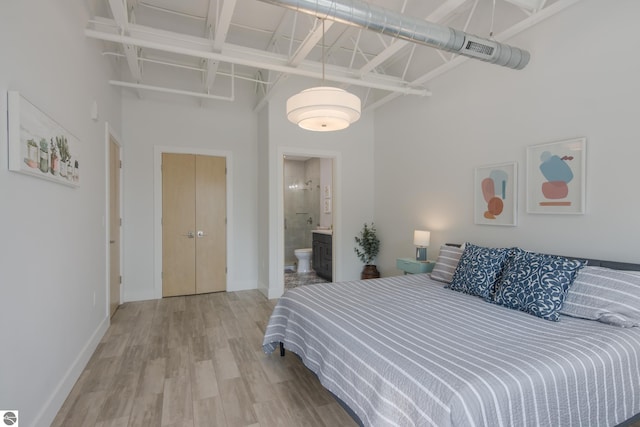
{"type": "Point", "coordinates": [308, 220]}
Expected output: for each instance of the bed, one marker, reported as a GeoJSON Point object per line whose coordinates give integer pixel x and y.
{"type": "Point", "coordinates": [406, 351]}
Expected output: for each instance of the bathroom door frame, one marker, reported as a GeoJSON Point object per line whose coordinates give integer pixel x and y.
{"type": "Point", "coordinates": [110, 135]}
{"type": "Point", "coordinates": [336, 240]}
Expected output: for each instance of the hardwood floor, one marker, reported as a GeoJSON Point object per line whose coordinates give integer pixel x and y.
{"type": "Point", "coordinates": [196, 361]}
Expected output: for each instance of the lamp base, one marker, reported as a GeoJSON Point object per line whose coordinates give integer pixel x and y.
{"type": "Point", "coordinates": [421, 254]}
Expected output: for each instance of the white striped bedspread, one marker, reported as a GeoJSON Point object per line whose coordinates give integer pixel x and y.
{"type": "Point", "coordinates": [404, 351]}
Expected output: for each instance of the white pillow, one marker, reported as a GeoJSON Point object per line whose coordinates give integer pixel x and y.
{"type": "Point", "coordinates": [606, 295]}
{"type": "Point", "coordinates": [446, 263]}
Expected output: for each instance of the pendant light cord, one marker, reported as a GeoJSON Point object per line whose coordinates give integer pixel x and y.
{"type": "Point", "coordinates": [493, 16]}
{"type": "Point", "coordinates": [323, 51]}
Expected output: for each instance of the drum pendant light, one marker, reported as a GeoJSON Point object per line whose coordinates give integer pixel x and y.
{"type": "Point", "coordinates": [323, 108]}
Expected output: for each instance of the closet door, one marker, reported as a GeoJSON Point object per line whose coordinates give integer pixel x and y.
{"type": "Point", "coordinates": [178, 225]}
{"type": "Point", "coordinates": [211, 228]}
{"type": "Point", "coordinates": [194, 231]}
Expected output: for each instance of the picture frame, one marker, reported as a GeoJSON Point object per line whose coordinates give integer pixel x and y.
{"type": "Point", "coordinates": [39, 146]}
{"type": "Point", "coordinates": [496, 194]}
{"type": "Point", "coordinates": [556, 177]}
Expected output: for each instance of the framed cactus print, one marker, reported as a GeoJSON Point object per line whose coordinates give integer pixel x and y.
{"type": "Point", "coordinates": [556, 177]}
{"type": "Point", "coordinates": [39, 146]}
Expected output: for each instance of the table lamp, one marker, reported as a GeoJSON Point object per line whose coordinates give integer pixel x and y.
{"type": "Point", "coordinates": [421, 240]}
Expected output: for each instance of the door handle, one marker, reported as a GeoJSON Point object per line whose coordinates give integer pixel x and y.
{"type": "Point", "coordinates": [112, 241]}
{"type": "Point", "coordinates": [201, 233]}
{"type": "Point", "coordinates": [189, 234]}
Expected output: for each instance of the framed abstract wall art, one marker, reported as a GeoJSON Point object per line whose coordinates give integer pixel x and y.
{"type": "Point", "coordinates": [40, 147]}
{"type": "Point", "coordinates": [495, 194]}
{"type": "Point", "coordinates": [556, 177]}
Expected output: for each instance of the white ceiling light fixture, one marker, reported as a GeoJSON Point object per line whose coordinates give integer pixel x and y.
{"type": "Point", "coordinates": [323, 108]}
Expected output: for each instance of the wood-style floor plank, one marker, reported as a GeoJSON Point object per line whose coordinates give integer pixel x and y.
{"type": "Point", "coordinates": [146, 411]}
{"type": "Point", "coordinates": [196, 361]}
{"type": "Point", "coordinates": [209, 412]}
{"type": "Point", "coordinates": [177, 405]}
{"type": "Point", "coordinates": [203, 380]}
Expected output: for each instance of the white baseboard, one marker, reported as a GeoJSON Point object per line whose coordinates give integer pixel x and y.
{"type": "Point", "coordinates": [141, 295]}
{"type": "Point", "coordinates": [242, 285]}
{"type": "Point", "coordinates": [274, 294]}
{"type": "Point", "coordinates": [145, 295]}
{"type": "Point", "coordinates": [46, 416]}
{"type": "Point", "coordinates": [264, 289]}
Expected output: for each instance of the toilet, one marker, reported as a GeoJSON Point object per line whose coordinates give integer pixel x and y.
{"type": "Point", "coordinates": [304, 257]}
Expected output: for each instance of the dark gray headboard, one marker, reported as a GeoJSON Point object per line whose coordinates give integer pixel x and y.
{"type": "Point", "coordinates": [593, 262]}
{"type": "Point", "coordinates": [610, 264]}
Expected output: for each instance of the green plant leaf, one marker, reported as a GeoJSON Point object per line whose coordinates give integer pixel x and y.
{"type": "Point", "coordinates": [368, 244]}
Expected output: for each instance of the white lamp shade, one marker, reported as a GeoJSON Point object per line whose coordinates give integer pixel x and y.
{"type": "Point", "coordinates": [421, 238]}
{"type": "Point", "coordinates": [323, 109]}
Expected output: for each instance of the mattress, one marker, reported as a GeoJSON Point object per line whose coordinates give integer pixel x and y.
{"type": "Point", "coordinates": [404, 351]}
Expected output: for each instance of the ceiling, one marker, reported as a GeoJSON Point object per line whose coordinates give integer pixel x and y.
{"type": "Point", "coordinates": [203, 48]}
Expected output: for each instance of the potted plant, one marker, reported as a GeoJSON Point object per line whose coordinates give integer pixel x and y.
{"type": "Point", "coordinates": [367, 250]}
{"type": "Point", "coordinates": [44, 155]}
{"type": "Point", "coordinates": [54, 164]}
{"type": "Point", "coordinates": [63, 149]}
{"type": "Point", "coordinates": [33, 154]}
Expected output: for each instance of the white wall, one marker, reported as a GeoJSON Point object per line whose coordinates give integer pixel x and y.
{"type": "Point", "coordinates": [353, 188]}
{"type": "Point", "coordinates": [183, 124]}
{"type": "Point", "coordinates": [53, 246]}
{"type": "Point", "coordinates": [582, 81]}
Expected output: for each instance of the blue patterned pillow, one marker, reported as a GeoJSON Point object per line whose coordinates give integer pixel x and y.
{"type": "Point", "coordinates": [478, 270]}
{"type": "Point", "coordinates": [536, 283]}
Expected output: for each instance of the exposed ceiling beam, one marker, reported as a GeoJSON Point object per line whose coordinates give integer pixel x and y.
{"type": "Point", "coordinates": [219, 38]}
{"type": "Point", "coordinates": [521, 26]}
{"type": "Point", "coordinates": [211, 17]}
{"type": "Point", "coordinates": [274, 37]}
{"type": "Point", "coordinates": [441, 14]}
{"type": "Point", "coordinates": [312, 39]}
{"type": "Point", "coordinates": [309, 43]}
{"type": "Point", "coordinates": [119, 12]}
{"type": "Point", "coordinates": [339, 42]}
{"type": "Point", "coordinates": [210, 21]}
{"type": "Point", "coordinates": [120, 15]}
{"type": "Point", "coordinates": [137, 86]}
{"type": "Point", "coordinates": [198, 47]}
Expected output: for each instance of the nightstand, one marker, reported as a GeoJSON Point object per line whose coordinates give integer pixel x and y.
{"type": "Point", "coordinates": [411, 266]}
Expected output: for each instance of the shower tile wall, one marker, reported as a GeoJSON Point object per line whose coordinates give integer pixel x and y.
{"type": "Point", "coordinates": [301, 202]}
{"type": "Point", "coordinates": [312, 173]}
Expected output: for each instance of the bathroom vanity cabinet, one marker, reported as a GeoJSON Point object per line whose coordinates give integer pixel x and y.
{"type": "Point", "coordinates": [322, 256]}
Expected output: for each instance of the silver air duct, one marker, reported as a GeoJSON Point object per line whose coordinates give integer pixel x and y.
{"type": "Point", "coordinates": [362, 15]}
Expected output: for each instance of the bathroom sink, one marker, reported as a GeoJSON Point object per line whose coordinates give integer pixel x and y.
{"type": "Point", "coordinates": [322, 231]}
